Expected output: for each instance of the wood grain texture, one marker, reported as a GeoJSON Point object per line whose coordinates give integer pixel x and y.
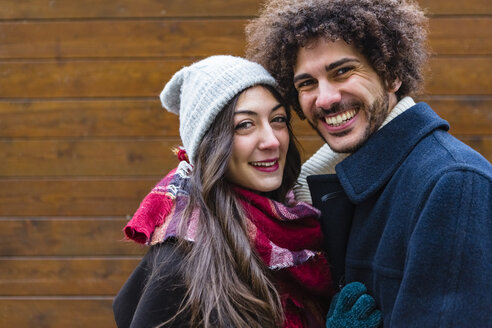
{"type": "Point", "coordinates": [459, 75]}
{"type": "Point", "coordinates": [76, 197]}
{"type": "Point", "coordinates": [451, 35]}
{"type": "Point", "coordinates": [86, 118]}
{"type": "Point", "coordinates": [86, 79]}
{"type": "Point", "coordinates": [47, 9]}
{"type": "Point", "coordinates": [57, 312]}
{"type": "Point", "coordinates": [64, 276]}
{"type": "Point", "coordinates": [443, 7]}
{"type": "Point", "coordinates": [64, 236]}
{"type": "Point", "coordinates": [137, 38]}
{"type": "Point", "coordinates": [99, 157]}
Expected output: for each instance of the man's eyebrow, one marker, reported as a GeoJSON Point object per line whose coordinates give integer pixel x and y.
{"type": "Point", "coordinates": [341, 62]}
{"type": "Point", "coordinates": [327, 68]}
{"type": "Point", "coordinates": [301, 77]}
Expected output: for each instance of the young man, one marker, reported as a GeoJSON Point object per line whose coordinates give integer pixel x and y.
{"type": "Point", "coordinates": [409, 210]}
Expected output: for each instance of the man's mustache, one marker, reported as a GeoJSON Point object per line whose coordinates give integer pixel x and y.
{"type": "Point", "coordinates": [341, 106]}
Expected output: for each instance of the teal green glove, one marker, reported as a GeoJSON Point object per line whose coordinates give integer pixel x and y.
{"type": "Point", "coordinates": [352, 307]}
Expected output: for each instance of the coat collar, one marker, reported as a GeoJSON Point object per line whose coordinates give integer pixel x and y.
{"type": "Point", "coordinates": [364, 172]}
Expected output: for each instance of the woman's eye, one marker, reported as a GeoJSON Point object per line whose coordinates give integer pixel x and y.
{"type": "Point", "coordinates": [280, 119]}
{"type": "Point", "coordinates": [243, 125]}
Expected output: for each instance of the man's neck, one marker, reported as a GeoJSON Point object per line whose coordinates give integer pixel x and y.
{"type": "Point", "coordinates": [399, 108]}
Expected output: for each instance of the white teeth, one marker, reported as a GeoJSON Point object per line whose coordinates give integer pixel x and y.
{"type": "Point", "coordinates": [263, 163]}
{"type": "Point", "coordinates": [340, 118]}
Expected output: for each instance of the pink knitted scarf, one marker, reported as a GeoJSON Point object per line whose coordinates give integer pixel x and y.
{"type": "Point", "coordinates": [287, 237]}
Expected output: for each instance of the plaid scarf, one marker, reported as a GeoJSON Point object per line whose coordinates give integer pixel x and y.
{"type": "Point", "coordinates": [287, 237]}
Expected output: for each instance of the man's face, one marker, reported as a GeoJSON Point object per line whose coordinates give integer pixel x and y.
{"type": "Point", "coordinates": [340, 94]}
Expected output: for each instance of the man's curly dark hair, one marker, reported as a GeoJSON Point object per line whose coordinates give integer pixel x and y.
{"type": "Point", "coordinates": [391, 34]}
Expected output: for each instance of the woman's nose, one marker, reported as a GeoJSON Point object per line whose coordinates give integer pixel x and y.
{"type": "Point", "coordinates": [269, 139]}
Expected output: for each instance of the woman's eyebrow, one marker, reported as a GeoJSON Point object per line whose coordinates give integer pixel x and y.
{"type": "Point", "coordinates": [250, 112]}
{"type": "Point", "coordinates": [277, 107]}
{"type": "Point", "coordinates": [245, 111]}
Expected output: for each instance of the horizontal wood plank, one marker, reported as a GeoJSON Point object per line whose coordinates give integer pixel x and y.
{"type": "Point", "coordinates": [86, 78]}
{"type": "Point", "coordinates": [445, 7]}
{"type": "Point", "coordinates": [461, 35]}
{"type": "Point", "coordinates": [166, 38]}
{"type": "Point", "coordinates": [64, 276]}
{"type": "Point", "coordinates": [56, 312]}
{"type": "Point", "coordinates": [46, 9]}
{"type": "Point", "coordinates": [60, 236]}
{"type": "Point", "coordinates": [146, 118]}
{"type": "Point", "coordinates": [86, 118]}
{"type": "Point", "coordinates": [195, 38]}
{"type": "Point", "coordinates": [77, 197]}
{"type": "Point", "coordinates": [24, 80]}
{"type": "Point", "coordinates": [87, 157]}
{"type": "Point", "coordinates": [460, 76]}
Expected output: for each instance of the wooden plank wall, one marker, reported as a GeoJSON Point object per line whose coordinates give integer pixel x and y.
{"type": "Point", "coordinates": [83, 137]}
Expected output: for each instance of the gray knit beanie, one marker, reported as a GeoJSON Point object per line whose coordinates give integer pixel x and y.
{"type": "Point", "coordinates": [197, 93]}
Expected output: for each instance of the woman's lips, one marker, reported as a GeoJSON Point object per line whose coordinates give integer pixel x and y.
{"type": "Point", "coordinates": [269, 165]}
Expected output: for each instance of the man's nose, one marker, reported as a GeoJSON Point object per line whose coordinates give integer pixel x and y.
{"type": "Point", "coordinates": [328, 94]}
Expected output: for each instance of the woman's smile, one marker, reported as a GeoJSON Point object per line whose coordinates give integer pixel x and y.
{"type": "Point", "coordinates": [261, 141]}
{"type": "Point", "coordinates": [270, 165]}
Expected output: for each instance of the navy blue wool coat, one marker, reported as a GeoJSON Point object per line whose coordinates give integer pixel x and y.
{"type": "Point", "coordinates": [410, 215]}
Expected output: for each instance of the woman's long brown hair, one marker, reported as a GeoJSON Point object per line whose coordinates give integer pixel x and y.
{"type": "Point", "coordinates": [227, 284]}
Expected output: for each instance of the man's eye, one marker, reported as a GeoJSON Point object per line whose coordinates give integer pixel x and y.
{"type": "Point", "coordinates": [343, 70]}
{"type": "Point", "coordinates": [305, 83]}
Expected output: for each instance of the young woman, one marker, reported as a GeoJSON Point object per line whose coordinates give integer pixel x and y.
{"type": "Point", "coordinates": [230, 246]}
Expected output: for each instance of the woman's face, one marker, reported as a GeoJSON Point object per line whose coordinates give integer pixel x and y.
{"type": "Point", "coordinates": [261, 140]}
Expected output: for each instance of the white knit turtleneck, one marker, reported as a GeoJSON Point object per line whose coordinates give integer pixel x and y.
{"type": "Point", "coordinates": [325, 159]}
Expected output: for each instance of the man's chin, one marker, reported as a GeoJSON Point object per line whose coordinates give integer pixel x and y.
{"type": "Point", "coordinates": [345, 147]}
{"type": "Point", "coordinates": [337, 145]}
